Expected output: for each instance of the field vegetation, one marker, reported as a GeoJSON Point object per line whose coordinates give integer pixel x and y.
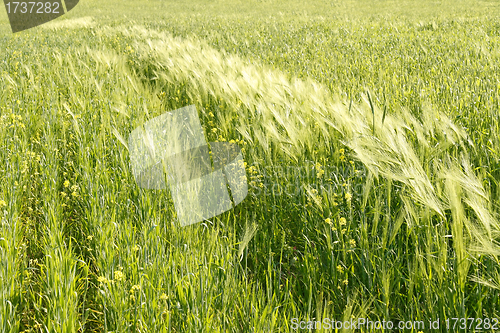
{"type": "Point", "coordinates": [370, 132]}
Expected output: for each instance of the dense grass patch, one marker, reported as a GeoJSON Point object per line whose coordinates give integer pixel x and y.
{"type": "Point", "coordinates": [371, 151]}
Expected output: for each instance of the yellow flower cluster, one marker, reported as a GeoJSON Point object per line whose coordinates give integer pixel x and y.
{"type": "Point", "coordinates": [102, 279]}
{"type": "Point", "coordinates": [32, 155]}
{"type": "Point", "coordinates": [342, 221]}
{"type": "Point", "coordinates": [119, 276]}
{"type": "Point", "coordinates": [74, 189]}
{"type": "Point", "coordinates": [241, 142]}
{"type": "Point", "coordinates": [135, 288]}
{"type": "Point", "coordinates": [342, 156]}
{"type": "Point", "coordinates": [16, 121]}
{"type": "Point", "coordinates": [255, 178]}
{"type": "Point", "coordinates": [320, 171]}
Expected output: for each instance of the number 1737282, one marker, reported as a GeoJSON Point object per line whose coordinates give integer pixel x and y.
{"type": "Point", "coordinates": [33, 7]}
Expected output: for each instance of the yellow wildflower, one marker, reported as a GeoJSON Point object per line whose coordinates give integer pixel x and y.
{"type": "Point", "coordinates": [135, 288]}
{"type": "Point", "coordinates": [119, 275]}
{"type": "Point", "coordinates": [102, 279]}
{"type": "Point", "coordinates": [342, 221]}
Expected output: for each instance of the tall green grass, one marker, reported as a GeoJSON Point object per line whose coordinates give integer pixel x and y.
{"type": "Point", "coordinates": [359, 205]}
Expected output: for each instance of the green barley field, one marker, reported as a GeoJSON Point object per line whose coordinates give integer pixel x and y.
{"type": "Point", "coordinates": [371, 138]}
